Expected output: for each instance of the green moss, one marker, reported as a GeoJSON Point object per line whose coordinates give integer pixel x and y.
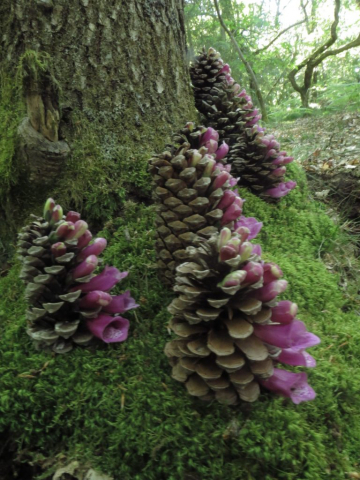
{"type": "Point", "coordinates": [118, 408]}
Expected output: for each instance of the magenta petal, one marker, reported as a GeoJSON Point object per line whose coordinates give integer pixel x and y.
{"type": "Point", "coordinates": [222, 151]}
{"type": "Point", "coordinates": [121, 303]}
{"type": "Point", "coordinates": [84, 240]}
{"type": "Point", "coordinates": [289, 384]}
{"type": "Point", "coordinates": [257, 250]}
{"type": "Point", "coordinates": [109, 329]}
{"type": "Point", "coordinates": [232, 213]}
{"type": "Point", "coordinates": [271, 290]}
{"type": "Point", "coordinates": [72, 216]}
{"type": "Point", "coordinates": [293, 335]}
{"type": "Point", "coordinates": [254, 272]}
{"type": "Point", "coordinates": [210, 134]}
{"type": "Point", "coordinates": [105, 281]}
{"type": "Point", "coordinates": [297, 358]}
{"type": "Point", "coordinates": [227, 199]}
{"type": "Point", "coordinates": [251, 223]}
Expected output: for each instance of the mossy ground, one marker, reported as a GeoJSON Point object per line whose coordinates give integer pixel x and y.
{"type": "Point", "coordinates": [118, 408]}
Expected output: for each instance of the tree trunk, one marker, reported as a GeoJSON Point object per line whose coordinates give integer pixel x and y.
{"type": "Point", "coordinates": [117, 67]}
{"type": "Point", "coordinates": [305, 98]}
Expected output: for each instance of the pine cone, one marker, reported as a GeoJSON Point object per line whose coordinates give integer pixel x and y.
{"type": "Point", "coordinates": [254, 156]}
{"type": "Point", "coordinates": [68, 304]}
{"type": "Point", "coordinates": [190, 191]}
{"type": "Point", "coordinates": [230, 327]}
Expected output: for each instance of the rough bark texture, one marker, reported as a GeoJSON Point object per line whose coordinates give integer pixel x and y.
{"type": "Point", "coordinates": [118, 63]}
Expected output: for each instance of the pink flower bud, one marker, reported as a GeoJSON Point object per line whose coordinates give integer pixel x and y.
{"type": "Point", "coordinates": [195, 158]}
{"type": "Point", "coordinates": [231, 213]}
{"type": "Point", "coordinates": [58, 249]}
{"type": "Point", "coordinates": [72, 216]}
{"type": "Point", "coordinates": [245, 251]}
{"type": "Point", "coordinates": [65, 229]}
{"type": "Point", "coordinates": [220, 180]}
{"type": "Point", "coordinates": [86, 267]}
{"type": "Point", "coordinates": [271, 272]}
{"type": "Point", "coordinates": [95, 299]}
{"type": "Point", "coordinates": [212, 146]}
{"type": "Point", "coordinates": [105, 281]}
{"type": "Point", "coordinates": [227, 252]}
{"type": "Point", "coordinates": [278, 172]}
{"type": "Point", "coordinates": [225, 69]}
{"type": "Point", "coordinates": [209, 166]}
{"type": "Point", "coordinates": [209, 134]}
{"type": "Point", "coordinates": [96, 248]}
{"type": "Point", "coordinates": [254, 272]}
{"type": "Point", "coordinates": [56, 214]}
{"type": "Point", "coordinates": [222, 151]}
{"type": "Point", "coordinates": [251, 223]}
{"type": "Point", "coordinates": [284, 312]}
{"type": "Point", "coordinates": [84, 240]}
{"type": "Point", "coordinates": [271, 290]}
{"type": "Point", "coordinates": [243, 233]}
{"type": "Point", "coordinates": [80, 228]}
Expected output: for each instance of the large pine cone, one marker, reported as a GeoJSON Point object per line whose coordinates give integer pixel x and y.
{"type": "Point", "coordinates": [230, 328]}
{"type": "Point", "coordinates": [68, 304]}
{"type": "Point", "coordinates": [190, 187]}
{"type": "Point", "coordinates": [254, 156]}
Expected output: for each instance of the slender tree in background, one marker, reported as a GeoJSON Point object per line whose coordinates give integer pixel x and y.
{"type": "Point", "coordinates": [311, 62]}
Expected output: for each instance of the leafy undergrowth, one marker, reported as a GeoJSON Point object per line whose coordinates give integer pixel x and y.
{"type": "Point", "coordinates": [118, 409]}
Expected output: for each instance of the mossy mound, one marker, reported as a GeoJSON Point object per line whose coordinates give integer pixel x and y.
{"type": "Point", "coordinates": [118, 409]}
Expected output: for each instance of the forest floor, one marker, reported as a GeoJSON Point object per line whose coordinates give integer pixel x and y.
{"type": "Point", "coordinates": [328, 148]}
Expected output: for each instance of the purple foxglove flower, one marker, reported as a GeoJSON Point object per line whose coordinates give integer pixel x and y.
{"type": "Point", "coordinates": [270, 153]}
{"type": "Point", "coordinates": [289, 384]}
{"type": "Point", "coordinates": [224, 237]}
{"type": "Point", "coordinates": [229, 79]}
{"type": "Point", "coordinates": [245, 251]}
{"type": "Point", "coordinates": [209, 134]}
{"type": "Point", "coordinates": [233, 181]}
{"type": "Point", "coordinates": [72, 216]}
{"type": "Point", "coordinates": [233, 279]}
{"type": "Point", "coordinates": [284, 312]}
{"type": "Point", "coordinates": [95, 299]}
{"type": "Point", "coordinates": [86, 267]}
{"type": "Point", "coordinates": [274, 144]}
{"type": "Point", "coordinates": [256, 250]}
{"type": "Point", "coordinates": [231, 213]}
{"type": "Point", "coordinates": [65, 229]}
{"type": "Point", "coordinates": [84, 240]}
{"type": "Point", "coordinates": [227, 253]}
{"type": "Point", "coordinates": [278, 192]}
{"type": "Point", "coordinates": [297, 358]}
{"type": "Point", "coordinates": [56, 214]}
{"type": "Point", "coordinates": [121, 303]}
{"type": "Point", "coordinates": [96, 248]}
{"type": "Point", "coordinates": [219, 181]}
{"type": "Point", "coordinates": [242, 93]}
{"type": "Point", "coordinates": [279, 160]}
{"type": "Point", "coordinates": [222, 151]}
{"type": "Point", "coordinates": [48, 208]}
{"type": "Point", "coordinates": [58, 249]}
{"type": "Point", "coordinates": [271, 272]}
{"type": "Point", "coordinates": [109, 329]}
{"type": "Point", "coordinates": [278, 172]}
{"type": "Point", "coordinates": [225, 69]}
{"type": "Point", "coordinates": [290, 185]}
{"type": "Point", "coordinates": [80, 228]}
{"type": "Point", "coordinates": [105, 281]}
{"type": "Point", "coordinates": [288, 160]}
{"type": "Point", "coordinates": [251, 223]}
{"type": "Point", "coordinates": [293, 335]}
{"type": "Point", "coordinates": [227, 199]}
{"type": "Point", "coordinates": [271, 290]}
{"type": "Point", "coordinates": [243, 233]}
{"type": "Point", "coordinates": [212, 146]}
{"type": "Point", "coordinates": [254, 272]}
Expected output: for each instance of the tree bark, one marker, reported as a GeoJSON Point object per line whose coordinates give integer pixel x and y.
{"type": "Point", "coordinates": [118, 64]}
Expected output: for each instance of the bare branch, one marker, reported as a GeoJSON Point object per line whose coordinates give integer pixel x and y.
{"type": "Point", "coordinates": [277, 36]}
